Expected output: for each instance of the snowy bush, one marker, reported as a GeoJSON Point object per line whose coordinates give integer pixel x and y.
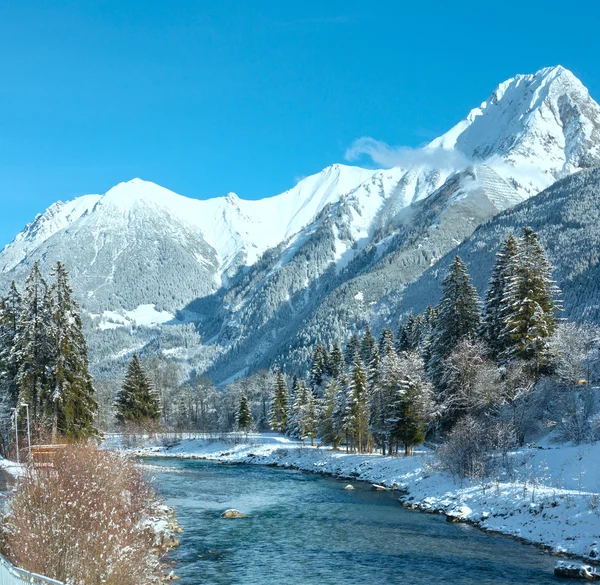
{"type": "Point", "coordinates": [82, 521]}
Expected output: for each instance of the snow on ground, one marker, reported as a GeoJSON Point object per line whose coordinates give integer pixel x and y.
{"type": "Point", "coordinates": [11, 467]}
{"type": "Point", "coordinates": [553, 499]}
{"type": "Point", "coordinates": [142, 316]}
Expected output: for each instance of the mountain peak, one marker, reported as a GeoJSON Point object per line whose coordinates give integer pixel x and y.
{"type": "Point", "coordinates": [129, 193]}
{"type": "Point", "coordinates": [546, 119]}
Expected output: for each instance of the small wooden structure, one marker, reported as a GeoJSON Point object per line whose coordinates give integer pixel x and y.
{"type": "Point", "coordinates": [43, 455]}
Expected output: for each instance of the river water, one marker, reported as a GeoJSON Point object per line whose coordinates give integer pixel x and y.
{"type": "Point", "coordinates": [305, 529]}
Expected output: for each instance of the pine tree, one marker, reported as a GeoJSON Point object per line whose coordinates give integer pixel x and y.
{"type": "Point", "coordinates": [386, 343]}
{"type": "Point", "coordinates": [457, 316]}
{"type": "Point", "coordinates": [352, 350]}
{"type": "Point", "coordinates": [319, 367]}
{"type": "Point", "coordinates": [367, 346]}
{"type": "Point", "coordinates": [530, 304]}
{"type": "Point", "coordinates": [373, 368]}
{"type": "Point", "coordinates": [402, 341]}
{"type": "Point", "coordinates": [244, 417]}
{"type": "Point", "coordinates": [278, 415]}
{"type": "Point", "coordinates": [358, 409]}
{"type": "Point", "coordinates": [341, 418]}
{"type": "Point", "coordinates": [496, 311]}
{"type": "Point", "coordinates": [72, 401]}
{"type": "Point", "coordinates": [136, 402]}
{"type": "Point", "coordinates": [11, 308]}
{"type": "Point", "coordinates": [297, 422]}
{"type": "Point", "coordinates": [329, 429]}
{"type": "Point", "coordinates": [410, 429]}
{"type": "Point", "coordinates": [335, 363]}
{"type": "Point", "coordinates": [34, 349]}
{"type": "Point", "coordinates": [408, 395]}
{"type": "Point", "coordinates": [311, 417]}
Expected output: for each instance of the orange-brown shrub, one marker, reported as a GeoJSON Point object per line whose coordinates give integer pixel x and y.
{"type": "Point", "coordinates": [82, 521]}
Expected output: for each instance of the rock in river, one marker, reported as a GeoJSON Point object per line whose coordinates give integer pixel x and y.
{"type": "Point", "coordinates": [232, 513]}
{"type": "Point", "coordinates": [349, 487]}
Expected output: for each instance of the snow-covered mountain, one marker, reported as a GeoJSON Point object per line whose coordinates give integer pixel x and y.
{"type": "Point", "coordinates": [256, 276]}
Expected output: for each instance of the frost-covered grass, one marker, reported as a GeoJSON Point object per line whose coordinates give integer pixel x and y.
{"type": "Point", "coordinates": [551, 498]}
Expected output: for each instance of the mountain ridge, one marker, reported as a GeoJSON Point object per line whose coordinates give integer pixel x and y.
{"type": "Point", "coordinates": [258, 277]}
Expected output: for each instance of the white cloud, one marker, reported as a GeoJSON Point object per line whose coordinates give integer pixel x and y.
{"type": "Point", "coordinates": [383, 154]}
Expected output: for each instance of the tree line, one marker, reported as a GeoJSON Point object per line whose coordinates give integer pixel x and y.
{"type": "Point", "coordinates": [463, 358]}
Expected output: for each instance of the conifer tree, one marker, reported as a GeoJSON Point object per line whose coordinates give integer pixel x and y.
{"type": "Point", "coordinates": [34, 349]}
{"type": "Point", "coordinates": [278, 415]}
{"type": "Point", "coordinates": [310, 418]}
{"type": "Point", "coordinates": [457, 316]}
{"type": "Point", "coordinates": [402, 341]}
{"type": "Point", "coordinates": [244, 417]}
{"type": "Point", "coordinates": [352, 350]}
{"type": "Point", "coordinates": [329, 429]}
{"type": "Point", "coordinates": [496, 309]}
{"type": "Point", "coordinates": [10, 314]}
{"type": "Point", "coordinates": [136, 402]}
{"type": "Point", "coordinates": [373, 368]}
{"type": "Point", "coordinates": [530, 304]}
{"type": "Point", "coordinates": [319, 367]}
{"type": "Point", "coordinates": [335, 363]}
{"type": "Point", "coordinates": [72, 401]}
{"type": "Point", "coordinates": [410, 429]}
{"type": "Point", "coordinates": [297, 422]}
{"type": "Point", "coordinates": [341, 418]}
{"type": "Point", "coordinates": [386, 343]}
{"type": "Point", "coordinates": [358, 409]}
{"type": "Point", "coordinates": [367, 346]}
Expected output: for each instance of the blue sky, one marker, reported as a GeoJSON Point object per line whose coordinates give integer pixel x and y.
{"type": "Point", "coordinates": [208, 97]}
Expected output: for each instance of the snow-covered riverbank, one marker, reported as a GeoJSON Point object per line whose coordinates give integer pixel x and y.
{"type": "Point", "coordinates": [553, 501]}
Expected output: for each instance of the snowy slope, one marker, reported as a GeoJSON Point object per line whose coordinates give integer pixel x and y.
{"type": "Point", "coordinates": [57, 217]}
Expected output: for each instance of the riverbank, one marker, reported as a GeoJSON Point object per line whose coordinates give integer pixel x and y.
{"type": "Point", "coordinates": [553, 500]}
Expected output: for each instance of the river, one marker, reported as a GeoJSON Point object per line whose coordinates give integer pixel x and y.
{"type": "Point", "coordinates": [305, 529]}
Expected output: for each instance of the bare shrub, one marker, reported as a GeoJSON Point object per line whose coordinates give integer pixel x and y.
{"type": "Point", "coordinates": [465, 452]}
{"type": "Point", "coordinates": [82, 521]}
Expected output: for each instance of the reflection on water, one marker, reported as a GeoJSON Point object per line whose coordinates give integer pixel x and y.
{"type": "Point", "coordinates": [306, 529]}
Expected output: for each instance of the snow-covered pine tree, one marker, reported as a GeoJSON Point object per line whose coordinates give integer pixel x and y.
{"type": "Point", "coordinates": [329, 430]}
{"type": "Point", "coordinates": [495, 309]}
{"type": "Point", "coordinates": [310, 418]}
{"type": "Point", "coordinates": [244, 417]}
{"type": "Point", "coordinates": [34, 349]}
{"type": "Point", "coordinates": [457, 316]}
{"type": "Point", "coordinates": [381, 391]}
{"type": "Point", "coordinates": [136, 403]}
{"type": "Point", "coordinates": [358, 411]}
{"type": "Point", "coordinates": [10, 314]}
{"type": "Point", "coordinates": [319, 367]}
{"type": "Point", "coordinates": [352, 350]}
{"type": "Point", "coordinates": [367, 346]}
{"type": "Point", "coordinates": [335, 363]}
{"type": "Point", "coordinates": [402, 342]}
{"type": "Point", "coordinates": [373, 368]}
{"type": "Point", "coordinates": [413, 329]}
{"type": "Point", "coordinates": [530, 305]}
{"type": "Point", "coordinates": [386, 342]}
{"type": "Point", "coordinates": [72, 403]}
{"type": "Point", "coordinates": [297, 422]}
{"type": "Point", "coordinates": [278, 414]}
{"type": "Point", "coordinates": [409, 398]}
{"type": "Point", "coordinates": [340, 416]}
{"type": "Point", "coordinates": [410, 429]}
{"type": "Point", "coordinates": [429, 320]}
